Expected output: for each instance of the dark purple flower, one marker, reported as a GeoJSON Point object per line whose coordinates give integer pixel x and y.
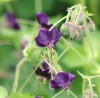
{"type": "Point", "coordinates": [44, 72]}
{"type": "Point", "coordinates": [62, 80]}
{"type": "Point", "coordinates": [11, 21]}
{"type": "Point", "coordinates": [42, 19]}
{"type": "Point", "coordinates": [37, 97]}
{"type": "Point", "coordinates": [47, 38]}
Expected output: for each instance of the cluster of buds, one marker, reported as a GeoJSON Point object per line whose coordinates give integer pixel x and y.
{"type": "Point", "coordinates": [89, 93]}
{"type": "Point", "coordinates": [77, 23]}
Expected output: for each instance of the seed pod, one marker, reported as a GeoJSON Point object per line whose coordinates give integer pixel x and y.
{"type": "Point", "coordinates": [65, 28]}
{"type": "Point", "coordinates": [91, 26]}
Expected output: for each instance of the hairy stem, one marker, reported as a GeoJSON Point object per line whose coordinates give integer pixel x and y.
{"type": "Point", "coordinates": [91, 47]}
{"type": "Point", "coordinates": [72, 94]}
{"type": "Point", "coordinates": [58, 93]}
{"type": "Point", "coordinates": [58, 22]}
{"type": "Point", "coordinates": [18, 68]}
{"type": "Point", "coordinates": [63, 53]}
{"type": "Point", "coordinates": [51, 66]}
{"type": "Point", "coordinates": [76, 51]}
{"type": "Point", "coordinates": [92, 77]}
{"type": "Point", "coordinates": [28, 78]}
{"type": "Point", "coordinates": [83, 88]}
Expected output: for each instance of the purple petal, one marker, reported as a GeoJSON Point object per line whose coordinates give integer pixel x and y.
{"type": "Point", "coordinates": [47, 26]}
{"type": "Point", "coordinates": [38, 71]}
{"type": "Point", "coordinates": [11, 21]}
{"type": "Point", "coordinates": [45, 65]}
{"type": "Point", "coordinates": [60, 79]}
{"type": "Point", "coordinates": [42, 38]}
{"type": "Point", "coordinates": [70, 77]}
{"type": "Point", "coordinates": [55, 35]}
{"type": "Point", "coordinates": [42, 18]}
{"type": "Point", "coordinates": [63, 79]}
{"type": "Point", "coordinates": [54, 85]}
{"type": "Point", "coordinates": [46, 74]}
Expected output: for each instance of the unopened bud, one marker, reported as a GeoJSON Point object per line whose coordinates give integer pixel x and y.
{"type": "Point", "coordinates": [82, 31]}
{"type": "Point", "coordinates": [65, 29]}
{"type": "Point", "coordinates": [81, 18]}
{"type": "Point", "coordinates": [88, 93]}
{"type": "Point", "coordinates": [74, 34]}
{"type": "Point", "coordinates": [91, 26]}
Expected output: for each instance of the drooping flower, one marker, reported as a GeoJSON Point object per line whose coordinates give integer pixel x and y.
{"type": "Point", "coordinates": [44, 72]}
{"type": "Point", "coordinates": [47, 38]}
{"type": "Point", "coordinates": [42, 19]}
{"type": "Point", "coordinates": [11, 21]}
{"type": "Point", "coordinates": [91, 26]}
{"type": "Point", "coordinates": [62, 80]}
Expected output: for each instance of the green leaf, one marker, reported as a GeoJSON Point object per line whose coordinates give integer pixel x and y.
{"type": "Point", "coordinates": [3, 92]}
{"type": "Point", "coordinates": [88, 14]}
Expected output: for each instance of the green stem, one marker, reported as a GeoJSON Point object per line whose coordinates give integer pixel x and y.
{"type": "Point", "coordinates": [58, 93]}
{"type": "Point", "coordinates": [90, 84]}
{"type": "Point", "coordinates": [28, 78]}
{"type": "Point", "coordinates": [63, 53]}
{"type": "Point", "coordinates": [94, 76]}
{"type": "Point", "coordinates": [91, 47]}
{"type": "Point", "coordinates": [51, 66]}
{"type": "Point", "coordinates": [83, 88]}
{"type": "Point", "coordinates": [80, 10]}
{"type": "Point", "coordinates": [51, 63]}
{"type": "Point", "coordinates": [58, 22]}
{"type": "Point", "coordinates": [18, 68]}
{"type": "Point", "coordinates": [72, 94]}
{"type": "Point", "coordinates": [76, 52]}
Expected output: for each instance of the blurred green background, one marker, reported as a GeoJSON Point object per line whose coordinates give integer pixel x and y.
{"type": "Point", "coordinates": [11, 43]}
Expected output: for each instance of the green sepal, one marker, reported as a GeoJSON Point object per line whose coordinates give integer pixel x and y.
{"type": "Point", "coordinates": [32, 52]}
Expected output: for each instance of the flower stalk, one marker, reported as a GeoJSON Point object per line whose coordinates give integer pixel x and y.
{"type": "Point", "coordinates": [18, 68]}
{"type": "Point", "coordinates": [29, 78]}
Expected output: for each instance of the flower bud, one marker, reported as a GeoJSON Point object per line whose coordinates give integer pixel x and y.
{"type": "Point", "coordinates": [81, 18]}
{"type": "Point", "coordinates": [82, 31]}
{"type": "Point", "coordinates": [65, 28]}
{"type": "Point", "coordinates": [91, 26]}
{"type": "Point", "coordinates": [88, 93]}
{"type": "Point", "coordinates": [74, 34]}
